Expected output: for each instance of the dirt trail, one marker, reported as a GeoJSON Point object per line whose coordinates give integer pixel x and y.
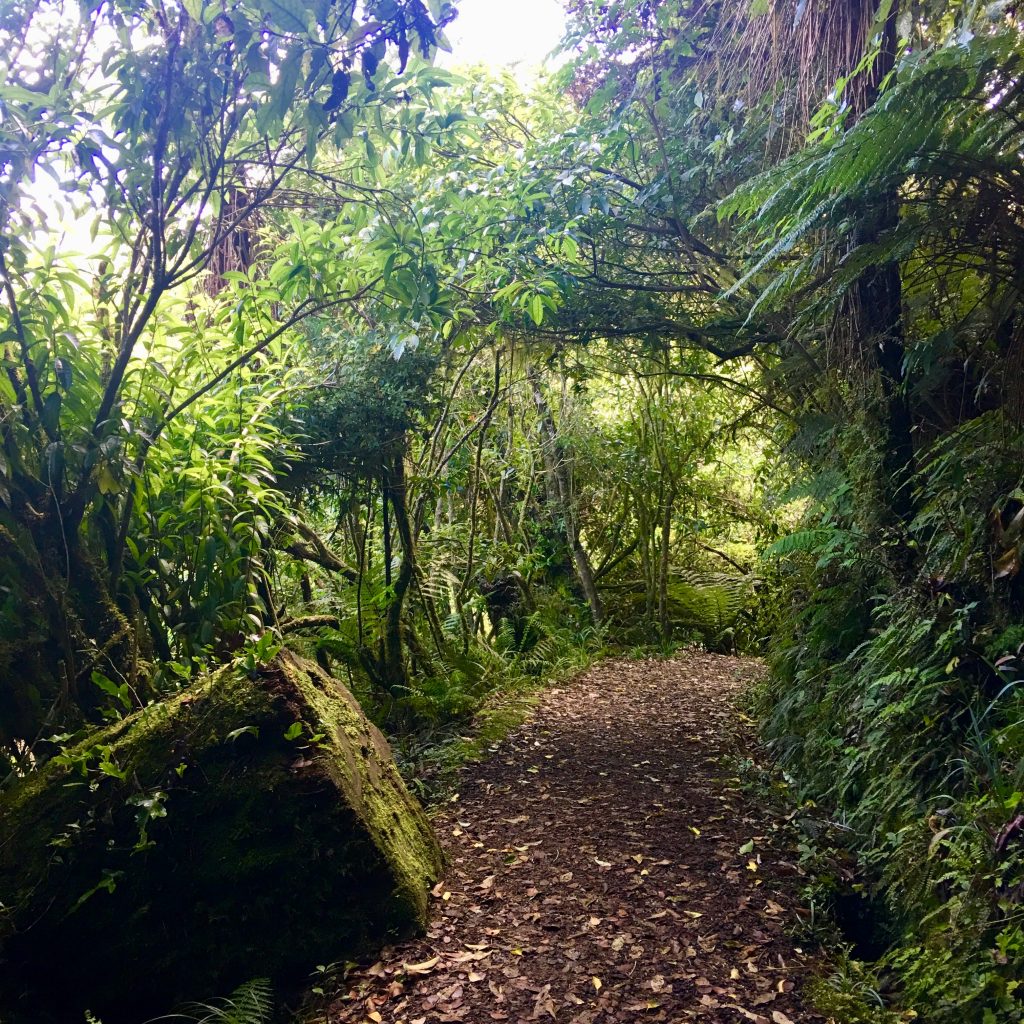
{"type": "Point", "coordinates": [601, 869]}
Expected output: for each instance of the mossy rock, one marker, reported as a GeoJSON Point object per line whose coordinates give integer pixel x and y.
{"type": "Point", "coordinates": [289, 840]}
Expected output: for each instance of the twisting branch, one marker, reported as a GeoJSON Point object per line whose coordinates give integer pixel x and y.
{"type": "Point", "coordinates": [26, 355]}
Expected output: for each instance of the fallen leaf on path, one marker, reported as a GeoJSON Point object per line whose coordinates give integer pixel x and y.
{"type": "Point", "coordinates": [465, 958]}
{"type": "Point", "coordinates": [424, 968]}
{"type": "Point", "coordinates": [757, 1018]}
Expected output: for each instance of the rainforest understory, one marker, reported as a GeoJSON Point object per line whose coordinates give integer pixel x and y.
{"type": "Point", "coordinates": [479, 546]}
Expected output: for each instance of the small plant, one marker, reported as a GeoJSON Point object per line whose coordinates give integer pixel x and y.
{"type": "Point", "coordinates": [850, 994]}
{"type": "Point", "coordinates": [251, 1003]}
{"type": "Point", "coordinates": [260, 652]}
{"type": "Point", "coordinates": [90, 763]}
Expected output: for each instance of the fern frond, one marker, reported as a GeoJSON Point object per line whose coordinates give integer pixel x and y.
{"type": "Point", "coordinates": [800, 542]}
{"type": "Point", "coordinates": [251, 1003]}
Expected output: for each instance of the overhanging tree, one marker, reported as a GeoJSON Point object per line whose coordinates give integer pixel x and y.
{"type": "Point", "coordinates": [165, 127]}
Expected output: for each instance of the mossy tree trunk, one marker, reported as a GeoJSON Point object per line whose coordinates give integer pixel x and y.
{"type": "Point", "coordinates": [63, 622]}
{"type": "Point", "coordinates": [878, 311]}
{"type": "Point", "coordinates": [265, 797]}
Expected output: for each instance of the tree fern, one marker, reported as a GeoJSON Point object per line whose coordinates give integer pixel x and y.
{"type": "Point", "coordinates": [821, 487]}
{"type": "Point", "coordinates": [709, 602]}
{"type": "Point", "coordinates": [799, 542]}
{"type": "Point", "coordinates": [953, 114]}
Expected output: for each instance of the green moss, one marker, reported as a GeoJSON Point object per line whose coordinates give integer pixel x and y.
{"type": "Point", "coordinates": [275, 853]}
{"type": "Point", "coordinates": [366, 769]}
{"type": "Point", "coordinates": [434, 768]}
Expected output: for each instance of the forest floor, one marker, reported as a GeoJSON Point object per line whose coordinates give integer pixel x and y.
{"type": "Point", "coordinates": [605, 864]}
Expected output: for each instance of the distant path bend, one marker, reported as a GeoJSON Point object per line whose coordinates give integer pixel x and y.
{"type": "Point", "coordinates": [605, 866]}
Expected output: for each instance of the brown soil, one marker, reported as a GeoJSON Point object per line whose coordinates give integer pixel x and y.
{"type": "Point", "coordinates": [605, 865]}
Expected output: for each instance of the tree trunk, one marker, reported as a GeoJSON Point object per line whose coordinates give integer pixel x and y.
{"type": "Point", "coordinates": [560, 492]}
{"type": "Point", "coordinates": [878, 313]}
{"type": "Point", "coordinates": [392, 662]}
{"type": "Point", "coordinates": [68, 626]}
{"type": "Point", "coordinates": [665, 620]}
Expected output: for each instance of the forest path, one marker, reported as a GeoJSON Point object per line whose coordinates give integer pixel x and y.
{"type": "Point", "coordinates": [600, 869]}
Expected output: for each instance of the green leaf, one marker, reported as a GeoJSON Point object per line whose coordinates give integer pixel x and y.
{"type": "Point", "coordinates": [111, 769]}
{"type": "Point", "coordinates": [800, 541]}
{"type": "Point", "coordinates": [290, 15]}
{"type": "Point", "coordinates": [245, 730]}
{"type": "Point", "coordinates": [51, 412]}
{"type": "Point", "coordinates": [271, 116]}
{"type": "Point", "coordinates": [106, 481]}
{"type": "Point", "coordinates": [344, 127]}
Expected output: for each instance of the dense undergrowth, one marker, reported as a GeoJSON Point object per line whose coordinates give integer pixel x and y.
{"type": "Point", "coordinates": [894, 703]}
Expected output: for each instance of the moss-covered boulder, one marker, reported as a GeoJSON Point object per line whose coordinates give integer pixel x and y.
{"type": "Point", "coordinates": [254, 825]}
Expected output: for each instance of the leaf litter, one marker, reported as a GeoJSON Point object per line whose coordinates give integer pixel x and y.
{"type": "Point", "coordinates": [600, 869]}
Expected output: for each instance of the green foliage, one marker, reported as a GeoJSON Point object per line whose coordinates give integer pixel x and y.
{"type": "Point", "coordinates": [705, 605]}
{"type": "Point", "coordinates": [851, 994]}
{"type": "Point", "coordinates": [949, 117]}
{"type": "Point", "coordinates": [454, 385]}
{"type": "Point", "coordinates": [711, 603]}
{"type": "Point", "coordinates": [898, 708]}
{"type": "Point", "coordinates": [251, 1003]}
{"type": "Point", "coordinates": [140, 457]}
{"type": "Point", "coordinates": [375, 394]}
